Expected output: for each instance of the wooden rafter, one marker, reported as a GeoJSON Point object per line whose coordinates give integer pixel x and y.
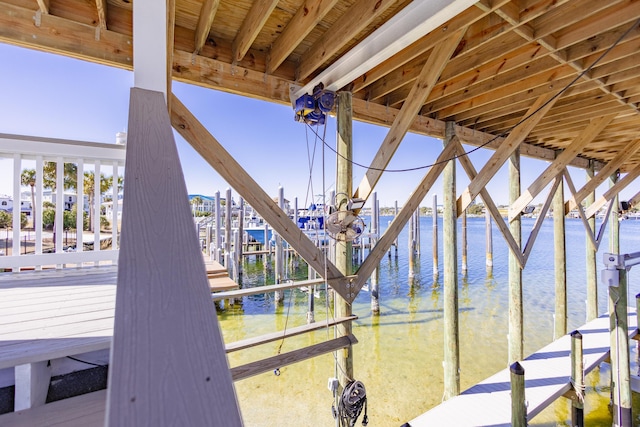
{"type": "Point", "coordinates": [251, 26]}
{"type": "Point", "coordinates": [309, 14]}
{"type": "Point", "coordinates": [43, 6]}
{"type": "Point", "coordinates": [101, 6]}
{"type": "Point", "coordinates": [421, 89]}
{"type": "Point", "coordinates": [361, 14]}
{"type": "Point", "coordinates": [602, 175]}
{"type": "Point", "coordinates": [215, 154]}
{"type": "Point", "coordinates": [205, 19]}
{"type": "Point", "coordinates": [613, 191]}
{"type": "Point", "coordinates": [551, 172]}
{"type": "Point", "coordinates": [398, 223]}
{"type": "Point", "coordinates": [471, 172]}
{"type": "Point", "coordinates": [508, 146]}
{"type": "Point", "coordinates": [634, 200]}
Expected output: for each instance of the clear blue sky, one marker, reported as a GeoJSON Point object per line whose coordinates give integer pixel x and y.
{"type": "Point", "coordinates": [54, 96]}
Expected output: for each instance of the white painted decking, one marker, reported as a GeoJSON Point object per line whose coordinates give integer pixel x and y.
{"type": "Point", "coordinates": [547, 377]}
{"type": "Point", "coordinates": [55, 313]}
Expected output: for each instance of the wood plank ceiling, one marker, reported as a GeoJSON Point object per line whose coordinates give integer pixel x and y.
{"type": "Point", "coordinates": [511, 53]}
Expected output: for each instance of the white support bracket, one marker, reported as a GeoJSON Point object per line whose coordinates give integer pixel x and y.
{"type": "Point", "coordinates": [32, 384]}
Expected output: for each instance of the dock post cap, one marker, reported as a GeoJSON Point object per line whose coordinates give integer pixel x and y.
{"type": "Point", "coordinates": [576, 334]}
{"type": "Point", "coordinates": [516, 368]}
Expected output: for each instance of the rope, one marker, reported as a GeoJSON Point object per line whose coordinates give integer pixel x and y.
{"type": "Point", "coordinates": [351, 403]}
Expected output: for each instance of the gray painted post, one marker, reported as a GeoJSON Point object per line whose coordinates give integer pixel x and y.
{"type": "Point", "coordinates": [344, 357]}
{"type": "Point", "coordinates": [208, 240]}
{"type": "Point", "coordinates": [620, 378]}
{"type": "Point", "coordinates": [489, 240]}
{"type": "Point", "coordinates": [227, 231]}
{"type": "Point", "coordinates": [518, 405]}
{"type": "Point", "coordinates": [516, 334]}
{"type": "Point", "coordinates": [450, 266]}
{"type": "Point", "coordinates": [464, 242]}
{"type": "Point", "coordinates": [577, 380]}
{"type": "Point", "coordinates": [592, 271]}
{"type": "Point", "coordinates": [560, 262]}
{"type": "Point", "coordinates": [435, 236]}
{"type": "Point", "coordinates": [279, 253]}
{"type": "Point", "coordinates": [218, 229]}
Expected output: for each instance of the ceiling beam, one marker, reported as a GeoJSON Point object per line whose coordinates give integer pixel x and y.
{"type": "Point", "coordinates": [551, 172]}
{"type": "Point", "coordinates": [422, 87]}
{"type": "Point", "coordinates": [43, 5]}
{"type": "Point", "coordinates": [508, 146]}
{"type": "Point", "coordinates": [345, 29]}
{"type": "Point", "coordinates": [205, 19]}
{"type": "Point", "coordinates": [410, 24]}
{"type": "Point", "coordinates": [302, 23]}
{"type": "Point", "coordinates": [251, 26]}
{"type": "Point", "coordinates": [604, 173]}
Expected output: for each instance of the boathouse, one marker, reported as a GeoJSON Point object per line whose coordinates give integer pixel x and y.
{"type": "Point", "coordinates": [555, 80]}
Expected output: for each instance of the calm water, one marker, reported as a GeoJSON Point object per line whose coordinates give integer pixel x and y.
{"type": "Point", "coordinates": [399, 354]}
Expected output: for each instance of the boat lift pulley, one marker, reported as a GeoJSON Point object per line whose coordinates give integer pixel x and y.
{"type": "Point", "coordinates": [312, 109]}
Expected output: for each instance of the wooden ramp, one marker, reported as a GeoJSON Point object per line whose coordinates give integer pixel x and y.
{"type": "Point", "coordinates": [547, 377]}
{"type": "Point", "coordinates": [218, 276]}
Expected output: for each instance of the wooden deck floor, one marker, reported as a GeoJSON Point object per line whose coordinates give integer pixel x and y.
{"type": "Point", "coordinates": [547, 377]}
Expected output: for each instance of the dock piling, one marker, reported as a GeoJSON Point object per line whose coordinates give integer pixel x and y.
{"type": "Point", "coordinates": [560, 263]}
{"type": "Point", "coordinates": [577, 380]}
{"type": "Point", "coordinates": [592, 274]}
{"type": "Point", "coordinates": [518, 405]}
{"type": "Point", "coordinates": [516, 329]}
{"type": "Point", "coordinates": [489, 241]}
{"type": "Point", "coordinates": [435, 235]}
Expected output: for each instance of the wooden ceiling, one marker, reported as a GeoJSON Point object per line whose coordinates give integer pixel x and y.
{"type": "Point", "coordinates": [510, 54]}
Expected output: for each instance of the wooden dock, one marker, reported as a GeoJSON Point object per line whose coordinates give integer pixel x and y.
{"type": "Point", "coordinates": [547, 377]}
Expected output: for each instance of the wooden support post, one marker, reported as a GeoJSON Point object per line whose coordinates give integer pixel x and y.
{"type": "Point", "coordinates": [417, 232]}
{"type": "Point", "coordinates": [577, 380]}
{"type": "Point", "coordinates": [516, 337]}
{"type": "Point", "coordinates": [344, 186]}
{"type": "Point", "coordinates": [240, 248]}
{"type": "Point", "coordinates": [435, 235]}
{"type": "Point", "coordinates": [411, 247]}
{"type": "Point", "coordinates": [450, 297]}
{"type": "Point", "coordinates": [227, 231]}
{"type": "Point", "coordinates": [560, 262]}
{"type": "Point", "coordinates": [489, 240]}
{"type": "Point", "coordinates": [279, 253]}
{"type": "Point", "coordinates": [638, 312]}
{"type": "Point", "coordinates": [518, 404]}
{"type": "Point", "coordinates": [620, 372]}
{"type": "Point", "coordinates": [591, 269]}
{"type": "Point", "coordinates": [614, 224]}
{"type": "Point", "coordinates": [375, 228]}
{"type": "Point", "coordinates": [395, 214]}
{"type": "Point", "coordinates": [463, 237]}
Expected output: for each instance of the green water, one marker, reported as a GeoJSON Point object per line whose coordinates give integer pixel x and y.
{"type": "Point", "coordinates": [400, 352]}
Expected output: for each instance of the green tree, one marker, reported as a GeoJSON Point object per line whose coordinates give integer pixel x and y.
{"type": "Point", "coordinates": [195, 202]}
{"type": "Point", "coordinates": [89, 190]}
{"type": "Point", "coordinates": [5, 219]}
{"type": "Point", "coordinates": [28, 178]}
{"type": "Point", "coordinates": [69, 180]}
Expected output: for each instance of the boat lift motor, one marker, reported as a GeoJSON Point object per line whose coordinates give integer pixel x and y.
{"type": "Point", "coordinates": [313, 109]}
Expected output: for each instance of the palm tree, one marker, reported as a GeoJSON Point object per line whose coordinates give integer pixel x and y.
{"type": "Point", "coordinates": [195, 202]}
{"type": "Point", "coordinates": [89, 190]}
{"type": "Point", "coordinates": [28, 178]}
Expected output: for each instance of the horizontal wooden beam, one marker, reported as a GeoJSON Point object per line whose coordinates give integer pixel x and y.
{"type": "Point", "coordinates": [290, 332]}
{"type": "Point", "coordinates": [284, 359]}
{"type": "Point", "coordinates": [239, 293]}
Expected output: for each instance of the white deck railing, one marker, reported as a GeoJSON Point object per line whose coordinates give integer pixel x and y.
{"type": "Point", "coordinates": [20, 148]}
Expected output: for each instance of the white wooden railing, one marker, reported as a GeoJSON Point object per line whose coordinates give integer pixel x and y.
{"type": "Point", "coordinates": [21, 148]}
